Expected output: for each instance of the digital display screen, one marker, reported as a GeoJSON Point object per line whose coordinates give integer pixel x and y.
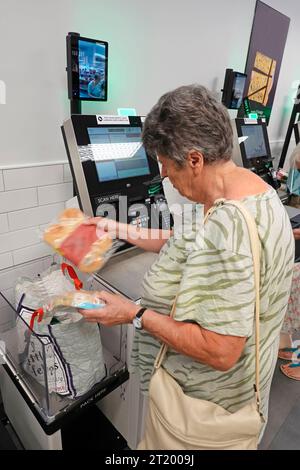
{"type": "Point", "coordinates": [238, 90]}
{"type": "Point", "coordinates": [92, 70]}
{"type": "Point", "coordinates": [118, 152]}
{"type": "Point", "coordinates": [255, 146]}
{"type": "Point", "coordinates": [89, 59]}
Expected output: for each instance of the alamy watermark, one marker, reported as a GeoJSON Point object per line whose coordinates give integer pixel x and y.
{"type": "Point", "coordinates": [151, 221]}
{"type": "Point", "coordinates": [2, 92]}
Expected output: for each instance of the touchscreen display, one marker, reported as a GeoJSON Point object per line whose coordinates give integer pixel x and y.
{"type": "Point", "coordinates": [255, 146]}
{"type": "Point", "coordinates": [118, 152]}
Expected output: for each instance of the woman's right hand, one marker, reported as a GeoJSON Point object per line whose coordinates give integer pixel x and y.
{"type": "Point", "coordinates": [108, 225]}
{"type": "Point", "coordinates": [133, 234]}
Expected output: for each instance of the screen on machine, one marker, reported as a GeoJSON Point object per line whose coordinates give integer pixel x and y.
{"type": "Point", "coordinates": [238, 90]}
{"type": "Point", "coordinates": [118, 152]}
{"type": "Point", "coordinates": [92, 63]}
{"type": "Point", "coordinates": [254, 144]}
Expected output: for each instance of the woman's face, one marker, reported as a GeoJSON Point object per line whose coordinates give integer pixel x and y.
{"type": "Point", "coordinates": [180, 177]}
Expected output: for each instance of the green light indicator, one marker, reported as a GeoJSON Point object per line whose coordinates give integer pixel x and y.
{"type": "Point", "coordinates": [253, 116]}
{"type": "Point", "coordinates": [246, 105]}
{"type": "Point", "coordinates": [126, 112]}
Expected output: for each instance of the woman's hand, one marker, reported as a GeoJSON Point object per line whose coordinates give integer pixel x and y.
{"type": "Point", "coordinates": [296, 233]}
{"type": "Point", "coordinates": [108, 225]}
{"type": "Point", "coordinates": [117, 310]}
{"type": "Point", "coordinates": [147, 239]}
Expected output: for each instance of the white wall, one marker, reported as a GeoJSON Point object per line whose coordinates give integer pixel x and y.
{"type": "Point", "coordinates": [29, 199]}
{"type": "Point", "coordinates": [154, 46]}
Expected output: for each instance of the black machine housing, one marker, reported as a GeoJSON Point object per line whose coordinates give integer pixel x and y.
{"type": "Point", "coordinates": [139, 200]}
{"type": "Point", "coordinates": [256, 152]}
{"type": "Point", "coordinates": [73, 51]}
{"type": "Point", "coordinates": [233, 89]}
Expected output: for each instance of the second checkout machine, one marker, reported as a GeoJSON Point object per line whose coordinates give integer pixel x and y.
{"type": "Point", "coordinates": [252, 150]}
{"type": "Point", "coordinates": [114, 177]}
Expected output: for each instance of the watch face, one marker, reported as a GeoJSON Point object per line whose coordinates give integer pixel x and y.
{"type": "Point", "coordinates": [137, 323]}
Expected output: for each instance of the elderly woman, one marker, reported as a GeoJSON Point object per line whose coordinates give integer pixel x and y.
{"type": "Point", "coordinates": [211, 338]}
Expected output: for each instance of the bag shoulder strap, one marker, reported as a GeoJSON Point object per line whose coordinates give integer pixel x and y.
{"type": "Point", "coordinates": [255, 248]}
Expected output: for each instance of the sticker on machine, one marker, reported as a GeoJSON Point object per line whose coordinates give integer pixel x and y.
{"type": "Point", "coordinates": [105, 119]}
{"type": "Point", "coordinates": [250, 121]}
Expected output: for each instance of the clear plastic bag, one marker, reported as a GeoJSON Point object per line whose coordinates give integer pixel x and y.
{"type": "Point", "coordinates": [86, 246]}
{"type": "Point", "coordinates": [55, 298]}
{"type": "Point", "coordinates": [76, 299]}
{"type": "Point", "coordinates": [72, 353]}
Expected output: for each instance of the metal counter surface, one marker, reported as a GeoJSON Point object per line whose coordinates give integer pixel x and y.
{"type": "Point", "coordinates": [124, 272]}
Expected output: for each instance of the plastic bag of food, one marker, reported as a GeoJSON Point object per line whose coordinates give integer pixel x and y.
{"type": "Point", "coordinates": [54, 340]}
{"type": "Point", "coordinates": [76, 299]}
{"type": "Point", "coordinates": [86, 246]}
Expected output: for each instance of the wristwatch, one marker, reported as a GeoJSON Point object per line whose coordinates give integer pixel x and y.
{"type": "Point", "coordinates": [137, 321]}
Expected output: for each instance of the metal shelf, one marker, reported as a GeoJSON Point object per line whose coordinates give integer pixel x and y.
{"type": "Point", "coordinates": [78, 406]}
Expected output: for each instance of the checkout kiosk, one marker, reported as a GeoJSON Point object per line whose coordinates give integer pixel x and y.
{"type": "Point", "coordinates": [113, 176]}
{"type": "Point", "coordinates": [116, 178]}
{"type": "Point", "coordinates": [252, 150]}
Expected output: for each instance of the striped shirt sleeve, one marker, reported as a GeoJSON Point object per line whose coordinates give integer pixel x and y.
{"type": "Point", "coordinates": [223, 296]}
{"type": "Point", "coordinates": [217, 289]}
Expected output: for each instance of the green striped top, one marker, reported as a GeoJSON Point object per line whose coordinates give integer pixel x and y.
{"type": "Point", "coordinates": [212, 270]}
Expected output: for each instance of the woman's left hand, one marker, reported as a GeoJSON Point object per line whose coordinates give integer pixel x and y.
{"type": "Point", "coordinates": [117, 310]}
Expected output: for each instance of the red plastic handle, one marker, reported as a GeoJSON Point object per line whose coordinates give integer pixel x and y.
{"type": "Point", "coordinates": [38, 313]}
{"type": "Point", "coordinates": [71, 271]}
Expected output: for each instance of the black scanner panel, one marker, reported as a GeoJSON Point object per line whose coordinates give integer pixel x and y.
{"type": "Point", "coordinates": [113, 175]}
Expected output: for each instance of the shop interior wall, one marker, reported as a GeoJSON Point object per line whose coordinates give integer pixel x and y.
{"type": "Point", "coordinates": [153, 46]}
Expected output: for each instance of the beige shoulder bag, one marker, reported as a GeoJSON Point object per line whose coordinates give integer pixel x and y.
{"type": "Point", "coordinates": [177, 421]}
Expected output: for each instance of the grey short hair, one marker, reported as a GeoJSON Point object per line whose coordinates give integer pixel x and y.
{"type": "Point", "coordinates": [187, 118]}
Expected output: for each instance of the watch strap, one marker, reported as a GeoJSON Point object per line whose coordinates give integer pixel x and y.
{"type": "Point", "coordinates": [140, 312]}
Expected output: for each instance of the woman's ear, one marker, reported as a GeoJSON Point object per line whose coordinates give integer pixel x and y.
{"type": "Point", "coordinates": [195, 159]}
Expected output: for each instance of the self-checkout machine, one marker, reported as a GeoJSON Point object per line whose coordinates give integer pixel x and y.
{"type": "Point", "coordinates": [112, 174]}
{"type": "Point", "coordinates": [114, 177]}
{"type": "Point", "coordinates": [251, 150]}
{"type": "Point", "coordinates": [111, 171]}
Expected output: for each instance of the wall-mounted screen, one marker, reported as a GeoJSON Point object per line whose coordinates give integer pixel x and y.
{"type": "Point", "coordinates": [87, 68]}
{"type": "Point", "coordinates": [233, 91]}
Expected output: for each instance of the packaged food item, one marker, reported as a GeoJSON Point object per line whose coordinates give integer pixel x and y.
{"type": "Point", "coordinates": [86, 246]}
{"type": "Point", "coordinates": [53, 338]}
{"type": "Point", "coordinates": [77, 299]}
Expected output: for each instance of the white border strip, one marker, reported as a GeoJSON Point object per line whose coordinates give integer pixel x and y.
{"type": "Point", "coordinates": [31, 165]}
